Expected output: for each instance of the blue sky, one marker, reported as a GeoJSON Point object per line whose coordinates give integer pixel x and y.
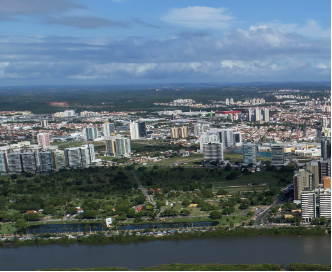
{"type": "Point", "coordinates": [147, 41]}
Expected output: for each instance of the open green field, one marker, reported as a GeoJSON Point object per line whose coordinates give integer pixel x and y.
{"type": "Point", "coordinates": [233, 157]}
{"type": "Point", "coordinates": [192, 160]}
{"type": "Point", "coordinates": [97, 145]}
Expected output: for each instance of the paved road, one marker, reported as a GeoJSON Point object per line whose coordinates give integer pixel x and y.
{"type": "Point", "coordinates": [140, 186]}
{"type": "Point", "coordinates": [265, 213]}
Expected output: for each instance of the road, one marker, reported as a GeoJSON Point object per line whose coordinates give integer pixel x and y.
{"type": "Point", "coordinates": [265, 212]}
{"type": "Point", "coordinates": [140, 186]}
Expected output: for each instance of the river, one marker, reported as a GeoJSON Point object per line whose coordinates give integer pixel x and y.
{"type": "Point", "coordinates": [225, 250]}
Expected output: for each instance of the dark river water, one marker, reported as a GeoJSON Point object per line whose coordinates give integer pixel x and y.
{"type": "Point", "coordinates": [225, 250]}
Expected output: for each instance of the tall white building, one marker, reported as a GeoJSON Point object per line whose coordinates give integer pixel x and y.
{"type": "Point", "coordinates": [324, 121]}
{"type": "Point", "coordinates": [227, 137]}
{"type": "Point", "coordinates": [251, 115]}
{"type": "Point", "coordinates": [216, 135]}
{"type": "Point", "coordinates": [227, 101]}
{"type": "Point", "coordinates": [91, 133]}
{"type": "Point", "coordinates": [266, 115]}
{"type": "Point", "coordinates": [325, 204]}
{"type": "Point", "coordinates": [308, 205]}
{"type": "Point", "coordinates": [134, 131]}
{"type": "Point", "coordinates": [118, 145]}
{"type": "Point", "coordinates": [231, 101]}
{"type": "Point", "coordinates": [109, 129]}
{"type": "Point", "coordinates": [79, 156]}
{"type": "Point", "coordinates": [258, 115]}
{"type": "Point", "coordinates": [43, 140]}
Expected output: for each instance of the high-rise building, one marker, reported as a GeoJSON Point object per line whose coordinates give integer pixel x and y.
{"type": "Point", "coordinates": [199, 129]}
{"type": "Point", "coordinates": [118, 145]}
{"type": "Point", "coordinates": [109, 129]}
{"type": "Point", "coordinates": [213, 152]}
{"type": "Point", "coordinates": [44, 123]}
{"type": "Point", "coordinates": [325, 148]}
{"type": "Point", "coordinates": [327, 182]}
{"type": "Point", "coordinates": [79, 156]}
{"type": "Point", "coordinates": [227, 101]}
{"type": "Point", "coordinates": [231, 101]}
{"type": "Point", "coordinates": [3, 162]}
{"type": "Point", "coordinates": [43, 140]}
{"type": "Point", "coordinates": [314, 168]}
{"type": "Point", "coordinates": [277, 155]}
{"type": "Point", "coordinates": [59, 160]}
{"type": "Point", "coordinates": [303, 181]}
{"type": "Point", "coordinates": [249, 153]}
{"type": "Point", "coordinates": [134, 131]}
{"type": "Point", "coordinates": [141, 129]}
{"type": "Point", "coordinates": [258, 115]}
{"type": "Point", "coordinates": [227, 137]}
{"type": "Point", "coordinates": [266, 115]}
{"type": "Point", "coordinates": [91, 133]}
{"type": "Point", "coordinates": [214, 135]}
{"type": "Point", "coordinates": [183, 132]}
{"type": "Point", "coordinates": [318, 134]}
{"type": "Point", "coordinates": [14, 164]}
{"type": "Point", "coordinates": [174, 133]}
{"type": "Point", "coordinates": [325, 204]}
{"type": "Point", "coordinates": [237, 138]}
{"type": "Point", "coordinates": [324, 121]}
{"type": "Point", "coordinates": [179, 132]}
{"type": "Point", "coordinates": [251, 115]}
{"type": "Point", "coordinates": [308, 205]}
{"type": "Point", "coordinates": [21, 162]}
{"type": "Point", "coordinates": [46, 163]}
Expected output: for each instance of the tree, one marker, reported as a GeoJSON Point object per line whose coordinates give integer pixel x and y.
{"type": "Point", "coordinates": [185, 212]}
{"type": "Point", "coordinates": [228, 167]}
{"type": "Point", "coordinates": [185, 202]}
{"type": "Point", "coordinates": [323, 220]}
{"type": "Point", "coordinates": [222, 192]}
{"type": "Point", "coordinates": [215, 215]}
{"type": "Point", "coordinates": [71, 210]}
{"type": "Point", "coordinates": [131, 213]}
{"type": "Point", "coordinates": [140, 199]}
{"type": "Point", "coordinates": [251, 222]}
{"type": "Point", "coordinates": [21, 225]}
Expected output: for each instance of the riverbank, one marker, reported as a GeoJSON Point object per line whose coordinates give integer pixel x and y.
{"type": "Point", "coordinates": [213, 267]}
{"type": "Point", "coordinates": [105, 237]}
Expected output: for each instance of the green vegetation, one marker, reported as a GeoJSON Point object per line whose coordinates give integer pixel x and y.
{"type": "Point", "coordinates": [112, 191]}
{"type": "Point", "coordinates": [308, 267]}
{"type": "Point", "coordinates": [213, 267]}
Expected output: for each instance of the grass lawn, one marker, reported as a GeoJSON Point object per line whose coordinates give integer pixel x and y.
{"type": "Point", "coordinates": [192, 160]}
{"type": "Point", "coordinates": [7, 228]}
{"type": "Point", "coordinates": [232, 157]}
{"type": "Point", "coordinates": [97, 145]}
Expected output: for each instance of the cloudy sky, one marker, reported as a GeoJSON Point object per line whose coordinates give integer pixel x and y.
{"type": "Point", "coordinates": [148, 41]}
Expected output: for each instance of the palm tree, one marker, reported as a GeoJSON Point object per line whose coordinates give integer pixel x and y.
{"type": "Point", "coordinates": [71, 228]}
{"type": "Point", "coordinates": [64, 228]}
{"type": "Point", "coordinates": [56, 229]}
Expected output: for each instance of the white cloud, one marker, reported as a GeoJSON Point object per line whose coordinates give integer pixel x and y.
{"type": "Point", "coordinates": [311, 29]}
{"type": "Point", "coordinates": [199, 17]}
